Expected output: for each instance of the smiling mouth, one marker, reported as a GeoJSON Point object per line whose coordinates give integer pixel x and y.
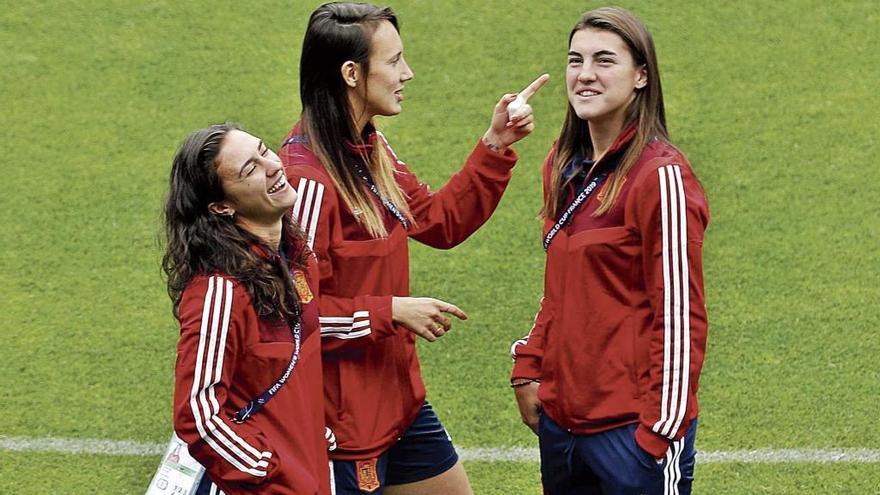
{"type": "Point", "coordinates": [587, 93]}
{"type": "Point", "coordinates": [278, 185]}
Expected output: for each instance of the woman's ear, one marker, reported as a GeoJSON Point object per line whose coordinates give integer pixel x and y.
{"type": "Point", "coordinates": [222, 209]}
{"type": "Point", "coordinates": [351, 73]}
{"type": "Point", "coordinates": [642, 77]}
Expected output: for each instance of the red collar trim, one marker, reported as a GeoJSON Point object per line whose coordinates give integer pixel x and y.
{"type": "Point", "coordinates": [623, 138]}
{"type": "Point", "coordinates": [368, 142]}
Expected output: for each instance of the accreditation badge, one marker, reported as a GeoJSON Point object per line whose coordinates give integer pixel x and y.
{"type": "Point", "coordinates": [367, 476]}
{"type": "Point", "coordinates": [178, 473]}
{"type": "Point", "coordinates": [302, 287]}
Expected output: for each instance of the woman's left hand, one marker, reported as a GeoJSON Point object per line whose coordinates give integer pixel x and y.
{"type": "Point", "coordinates": [509, 127]}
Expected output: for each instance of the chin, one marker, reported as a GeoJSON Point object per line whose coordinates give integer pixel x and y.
{"type": "Point", "coordinates": [584, 114]}
{"type": "Point", "coordinates": [391, 111]}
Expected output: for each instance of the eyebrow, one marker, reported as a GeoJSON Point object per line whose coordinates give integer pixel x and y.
{"type": "Point", "coordinates": [602, 53]}
{"type": "Point", "coordinates": [597, 54]}
{"type": "Point", "coordinates": [260, 146]}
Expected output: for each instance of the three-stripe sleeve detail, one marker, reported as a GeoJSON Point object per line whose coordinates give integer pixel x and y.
{"type": "Point", "coordinates": [203, 402]}
{"type": "Point", "coordinates": [525, 340]}
{"type": "Point", "coordinates": [676, 302]}
{"type": "Point", "coordinates": [346, 327]}
{"type": "Point", "coordinates": [307, 209]}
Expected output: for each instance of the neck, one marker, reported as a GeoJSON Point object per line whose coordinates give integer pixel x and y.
{"type": "Point", "coordinates": [603, 134]}
{"type": "Point", "coordinates": [359, 111]}
{"type": "Point", "coordinates": [269, 233]}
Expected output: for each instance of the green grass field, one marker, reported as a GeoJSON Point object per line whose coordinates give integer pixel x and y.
{"type": "Point", "coordinates": [775, 104]}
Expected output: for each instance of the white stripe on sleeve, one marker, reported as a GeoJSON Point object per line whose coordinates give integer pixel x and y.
{"type": "Point", "coordinates": [676, 302]}
{"type": "Point", "coordinates": [209, 369]}
{"type": "Point", "coordinates": [346, 327]}
{"type": "Point", "coordinates": [299, 198]}
{"type": "Point", "coordinates": [307, 210]}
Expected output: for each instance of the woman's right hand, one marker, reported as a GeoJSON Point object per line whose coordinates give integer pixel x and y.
{"type": "Point", "coordinates": [424, 316]}
{"type": "Point", "coordinates": [506, 129]}
{"type": "Point", "coordinates": [529, 405]}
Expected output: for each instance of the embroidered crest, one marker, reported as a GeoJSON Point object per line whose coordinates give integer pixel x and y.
{"type": "Point", "coordinates": [368, 478]}
{"type": "Point", "coordinates": [302, 287]}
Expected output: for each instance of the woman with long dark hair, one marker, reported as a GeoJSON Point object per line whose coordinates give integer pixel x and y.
{"type": "Point", "coordinates": [608, 375]}
{"type": "Point", "coordinates": [247, 384]}
{"type": "Point", "coordinates": [358, 204]}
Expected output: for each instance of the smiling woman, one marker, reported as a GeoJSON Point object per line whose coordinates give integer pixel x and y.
{"type": "Point", "coordinates": [608, 375]}
{"type": "Point", "coordinates": [254, 185]}
{"type": "Point", "coordinates": [359, 203]}
{"type": "Point", "coordinates": [247, 384]}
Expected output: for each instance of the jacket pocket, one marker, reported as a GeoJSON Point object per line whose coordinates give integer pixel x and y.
{"type": "Point", "coordinates": [266, 363]}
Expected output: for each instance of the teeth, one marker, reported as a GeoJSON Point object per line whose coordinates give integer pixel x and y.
{"type": "Point", "coordinates": [588, 93]}
{"type": "Point", "coordinates": [278, 185]}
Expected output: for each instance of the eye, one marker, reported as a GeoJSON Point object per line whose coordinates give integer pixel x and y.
{"type": "Point", "coordinates": [605, 61]}
{"type": "Point", "coordinates": [574, 61]}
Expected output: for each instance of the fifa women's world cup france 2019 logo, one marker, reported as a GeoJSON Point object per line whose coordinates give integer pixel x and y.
{"type": "Point", "coordinates": [302, 287]}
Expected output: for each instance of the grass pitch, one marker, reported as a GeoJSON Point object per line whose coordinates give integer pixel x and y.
{"type": "Point", "coordinates": [774, 104]}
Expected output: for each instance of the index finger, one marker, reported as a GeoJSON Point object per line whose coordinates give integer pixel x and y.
{"type": "Point", "coordinates": [533, 88]}
{"type": "Point", "coordinates": [453, 310]}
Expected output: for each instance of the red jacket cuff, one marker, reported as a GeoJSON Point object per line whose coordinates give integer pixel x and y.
{"type": "Point", "coordinates": [526, 367]}
{"type": "Point", "coordinates": [492, 163]}
{"type": "Point", "coordinates": [380, 314]}
{"type": "Point", "coordinates": [651, 442]}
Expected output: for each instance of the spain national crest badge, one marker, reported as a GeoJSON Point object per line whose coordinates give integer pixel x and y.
{"type": "Point", "coordinates": [302, 287]}
{"type": "Point", "coordinates": [367, 476]}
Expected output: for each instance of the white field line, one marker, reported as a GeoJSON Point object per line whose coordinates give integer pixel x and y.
{"type": "Point", "coordinates": [509, 454]}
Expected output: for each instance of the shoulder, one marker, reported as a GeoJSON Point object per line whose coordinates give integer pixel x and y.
{"type": "Point", "coordinates": [210, 290]}
{"type": "Point", "coordinates": [383, 140]}
{"type": "Point", "coordinates": [660, 158]}
{"type": "Point", "coordinates": [299, 160]}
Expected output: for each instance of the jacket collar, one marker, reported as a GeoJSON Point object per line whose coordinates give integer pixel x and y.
{"type": "Point", "coordinates": [579, 166]}
{"type": "Point", "coordinates": [366, 144]}
{"type": "Point", "coordinates": [287, 251]}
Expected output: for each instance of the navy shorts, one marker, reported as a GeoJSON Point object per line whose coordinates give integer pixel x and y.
{"type": "Point", "coordinates": [611, 463]}
{"type": "Point", "coordinates": [425, 450]}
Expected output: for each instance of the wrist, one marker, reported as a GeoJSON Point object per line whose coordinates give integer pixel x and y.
{"type": "Point", "coordinates": [493, 142]}
{"type": "Point", "coordinates": [395, 309]}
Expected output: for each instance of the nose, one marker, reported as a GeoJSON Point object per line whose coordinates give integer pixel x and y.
{"type": "Point", "coordinates": [587, 74]}
{"type": "Point", "coordinates": [407, 73]}
{"type": "Point", "coordinates": [272, 166]}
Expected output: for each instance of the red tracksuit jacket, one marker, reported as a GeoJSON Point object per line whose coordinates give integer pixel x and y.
{"type": "Point", "coordinates": [228, 356]}
{"type": "Point", "coordinates": [372, 385]}
{"type": "Point", "coordinates": [621, 332]}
